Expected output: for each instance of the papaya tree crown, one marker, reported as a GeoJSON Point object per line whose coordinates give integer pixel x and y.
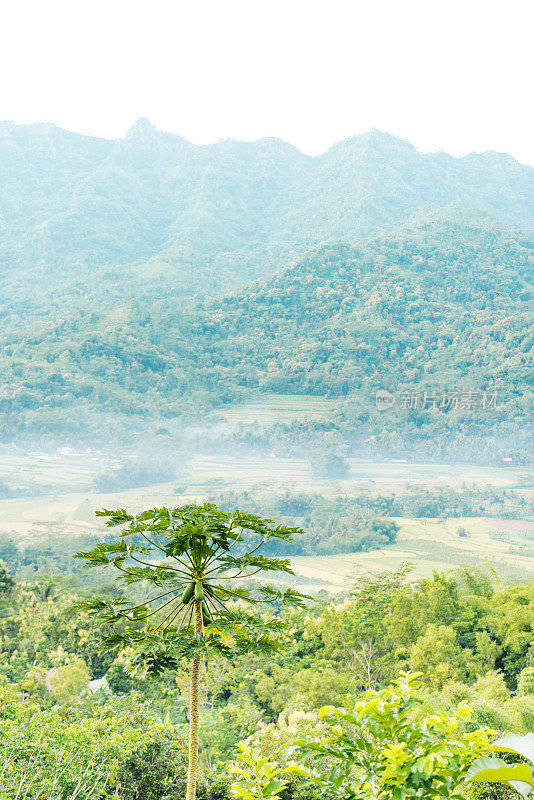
{"type": "Point", "coordinates": [192, 556]}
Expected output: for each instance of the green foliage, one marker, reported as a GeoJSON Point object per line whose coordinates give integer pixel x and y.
{"type": "Point", "coordinates": [332, 651]}
{"type": "Point", "coordinates": [441, 303]}
{"type": "Point", "coordinates": [438, 653]}
{"type": "Point", "coordinates": [330, 466]}
{"type": "Point", "coordinates": [525, 681]}
{"type": "Point", "coordinates": [197, 568]}
{"type": "Point", "coordinates": [258, 778]}
{"type": "Point", "coordinates": [359, 631]}
{"type": "Point", "coordinates": [331, 524]}
{"type": "Point", "coordinates": [40, 632]}
{"type": "Point", "coordinates": [158, 770]}
{"type": "Point", "coordinates": [63, 683]}
{"type": "Point", "coordinates": [223, 726]}
{"type": "Point", "coordinates": [198, 218]}
{"type": "Point", "coordinates": [496, 770]}
{"type": "Point", "coordinates": [6, 581]}
{"type": "Point", "coordinates": [46, 556]}
{"type": "Point", "coordinates": [446, 625]}
{"type": "Point", "coordinates": [137, 472]}
{"type": "Point", "coordinates": [375, 751]}
{"type": "Point", "coordinates": [189, 548]}
{"type": "Point", "coordinates": [69, 754]}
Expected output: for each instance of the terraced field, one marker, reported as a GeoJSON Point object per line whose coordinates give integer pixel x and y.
{"type": "Point", "coordinates": [271, 408]}
{"type": "Point", "coordinates": [428, 545]}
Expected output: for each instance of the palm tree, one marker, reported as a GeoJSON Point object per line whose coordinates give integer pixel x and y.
{"type": "Point", "coordinates": [193, 556]}
{"type": "Point", "coordinates": [45, 591]}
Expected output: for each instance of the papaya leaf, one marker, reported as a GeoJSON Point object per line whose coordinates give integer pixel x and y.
{"type": "Point", "coordinates": [495, 770]}
{"type": "Point", "coordinates": [514, 743]}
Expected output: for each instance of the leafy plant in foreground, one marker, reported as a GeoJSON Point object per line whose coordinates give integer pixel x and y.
{"type": "Point", "coordinates": [186, 558]}
{"type": "Point", "coordinates": [257, 777]}
{"type": "Point", "coordinates": [496, 770]}
{"type": "Point", "coordinates": [60, 754]}
{"type": "Point", "coordinates": [376, 751]}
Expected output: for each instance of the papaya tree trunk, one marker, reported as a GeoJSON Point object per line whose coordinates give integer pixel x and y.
{"type": "Point", "coordinates": [193, 713]}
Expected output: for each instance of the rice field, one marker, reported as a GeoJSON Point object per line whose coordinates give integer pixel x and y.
{"type": "Point", "coordinates": [429, 545]}
{"type": "Point", "coordinates": [59, 496]}
{"type": "Point", "coordinates": [271, 408]}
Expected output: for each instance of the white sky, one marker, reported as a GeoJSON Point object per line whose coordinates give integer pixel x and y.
{"type": "Point", "coordinates": [444, 74]}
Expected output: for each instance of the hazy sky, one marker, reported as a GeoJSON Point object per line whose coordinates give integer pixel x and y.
{"type": "Point", "coordinates": [444, 74]}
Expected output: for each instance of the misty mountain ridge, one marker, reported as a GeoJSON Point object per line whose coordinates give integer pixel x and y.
{"type": "Point", "coordinates": [146, 281]}
{"type": "Point", "coordinates": [201, 218]}
{"type": "Point", "coordinates": [442, 301]}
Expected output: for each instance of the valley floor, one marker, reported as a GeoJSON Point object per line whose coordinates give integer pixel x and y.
{"type": "Point", "coordinates": [61, 499]}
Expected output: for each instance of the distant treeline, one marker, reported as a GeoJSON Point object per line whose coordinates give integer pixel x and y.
{"type": "Point", "coordinates": [48, 555]}
{"type": "Point", "coordinates": [338, 524]}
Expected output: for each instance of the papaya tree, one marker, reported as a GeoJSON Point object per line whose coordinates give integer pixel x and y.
{"type": "Point", "coordinates": [189, 561]}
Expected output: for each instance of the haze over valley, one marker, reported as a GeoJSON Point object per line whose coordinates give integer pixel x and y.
{"type": "Point", "coordinates": [200, 320]}
{"type": "Point", "coordinates": [266, 400]}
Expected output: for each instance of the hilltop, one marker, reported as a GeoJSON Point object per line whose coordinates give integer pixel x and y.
{"type": "Point", "coordinates": [442, 302]}
{"type": "Point", "coordinates": [153, 215]}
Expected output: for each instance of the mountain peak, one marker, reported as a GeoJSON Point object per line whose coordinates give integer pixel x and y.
{"type": "Point", "coordinates": [141, 130]}
{"type": "Point", "coordinates": [372, 142]}
{"type": "Point", "coordinates": [143, 136]}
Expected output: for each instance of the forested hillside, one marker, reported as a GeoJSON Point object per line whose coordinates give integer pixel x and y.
{"type": "Point", "coordinates": [441, 304]}
{"type": "Point", "coordinates": [366, 268]}
{"type": "Point", "coordinates": [442, 300]}
{"type": "Point", "coordinates": [155, 215]}
{"type": "Point", "coordinates": [125, 733]}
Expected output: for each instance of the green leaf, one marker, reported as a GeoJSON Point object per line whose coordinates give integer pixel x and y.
{"type": "Point", "coordinates": [272, 788]}
{"type": "Point", "coordinates": [495, 770]}
{"type": "Point", "coordinates": [294, 769]}
{"type": "Point", "coordinates": [513, 743]}
{"type": "Point", "coordinates": [204, 534]}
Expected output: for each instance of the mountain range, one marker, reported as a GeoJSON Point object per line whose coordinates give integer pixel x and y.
{"type": "Point", "coordinates": [151, 279]}
{"type": "Point", "coordinates": [192, 219]}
